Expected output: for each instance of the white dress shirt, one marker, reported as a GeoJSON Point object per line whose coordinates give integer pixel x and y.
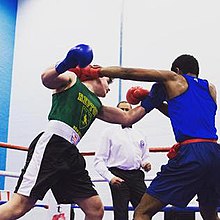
{"type": "Point", "coordinates": [122, 148]}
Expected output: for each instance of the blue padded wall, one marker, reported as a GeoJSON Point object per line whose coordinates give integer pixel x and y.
{"type": "Point", "coordinates": [8, 12]}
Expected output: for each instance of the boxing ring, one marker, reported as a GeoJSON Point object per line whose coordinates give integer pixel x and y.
{"type": "Point", "coordinates": [170, 212]}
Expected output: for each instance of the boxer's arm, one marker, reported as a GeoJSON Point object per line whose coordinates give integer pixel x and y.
{"type": "Point", "coordinates": [118, 116]}
{"type": "Point", "coordinates": [175, 83]}
{"type": "Point", "coordinates": [213, 92]}
{"type": "Point", "coordinates": [53, 80]}
{"type": "Point", "coordinates": [139, 74]}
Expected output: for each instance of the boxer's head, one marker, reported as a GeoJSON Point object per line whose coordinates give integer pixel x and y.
{"type": "Point", "coordinates": [185, 64]}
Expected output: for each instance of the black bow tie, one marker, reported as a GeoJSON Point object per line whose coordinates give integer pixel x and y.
{"type": "Point", "coordinates": [126, 126]}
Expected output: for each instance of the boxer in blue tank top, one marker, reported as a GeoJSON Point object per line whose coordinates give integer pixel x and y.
{"type": "Point", "coordinates": [195, 159]}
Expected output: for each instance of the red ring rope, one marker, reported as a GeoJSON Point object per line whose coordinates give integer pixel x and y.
{"type": "Point", "coordinates": [22, 148]}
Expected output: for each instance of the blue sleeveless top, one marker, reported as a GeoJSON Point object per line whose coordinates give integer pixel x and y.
{"type": "Point", "coordinates": [192, 113]}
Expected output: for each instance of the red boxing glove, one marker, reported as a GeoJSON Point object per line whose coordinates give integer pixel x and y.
{"type": "Point", "coordinates": [87, 73]}
{"type": "Point", "coordinates": [136, 94]}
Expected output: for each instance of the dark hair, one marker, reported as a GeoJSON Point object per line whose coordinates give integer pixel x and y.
{"type": "Point", "coordinates": [186, 64]}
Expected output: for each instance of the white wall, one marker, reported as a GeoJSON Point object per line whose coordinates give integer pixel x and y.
{"type": "Point", "coordinates": [154, 34]}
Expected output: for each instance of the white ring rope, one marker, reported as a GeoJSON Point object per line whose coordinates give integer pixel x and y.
{"type": "Point", "coordinates": [16, 175]}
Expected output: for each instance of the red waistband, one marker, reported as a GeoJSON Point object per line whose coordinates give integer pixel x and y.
{"type": "Point", "coordinates": [174, 149]}
{"type": "Point", "coordinates": [196, 140]}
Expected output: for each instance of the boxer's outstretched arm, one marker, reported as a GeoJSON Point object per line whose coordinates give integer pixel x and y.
{"type": "Point", "coordinates": [138, 74]}
{"type": "Point", "coordinates": [118, 116]}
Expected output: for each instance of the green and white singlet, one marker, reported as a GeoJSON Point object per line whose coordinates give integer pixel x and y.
{"type": "Point", "coordinates": [76, 107]}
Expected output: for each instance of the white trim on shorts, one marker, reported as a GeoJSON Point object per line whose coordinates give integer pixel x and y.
{"type": "Point", "coordinates": [54, 127]}
{"type": "Point", "coordinates": [30, 176]}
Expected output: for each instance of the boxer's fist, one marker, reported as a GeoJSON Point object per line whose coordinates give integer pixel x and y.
{"type": "Point", "coordinates": [87, 73]}
{"type": "Point", "coordinates": [80, 55]}
{"type": "Point", "coordinates": [136, 94]}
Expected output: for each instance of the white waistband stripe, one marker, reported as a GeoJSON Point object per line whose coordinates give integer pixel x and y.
{"type": "Point", "coordinates": [63, 130]}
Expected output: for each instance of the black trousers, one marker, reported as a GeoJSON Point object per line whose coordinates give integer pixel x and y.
{"type": "Point", "coordinates": [131, 190]}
